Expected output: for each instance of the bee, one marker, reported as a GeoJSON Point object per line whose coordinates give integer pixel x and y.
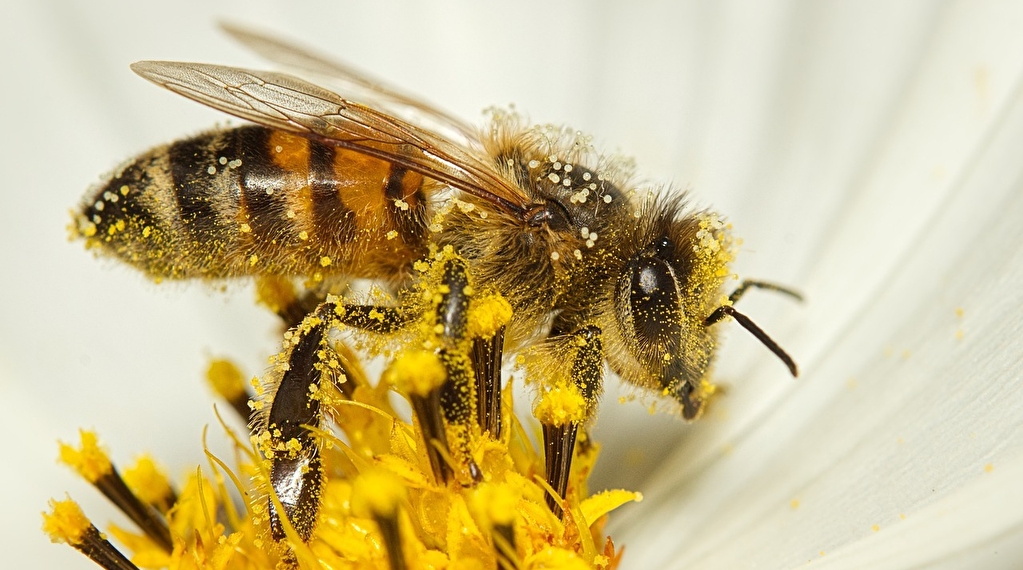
{"type": "Point", "coordinates": [323, 189]}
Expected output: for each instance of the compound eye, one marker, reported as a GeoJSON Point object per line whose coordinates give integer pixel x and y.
{"type": "Point", "coordinates": [655, 305]}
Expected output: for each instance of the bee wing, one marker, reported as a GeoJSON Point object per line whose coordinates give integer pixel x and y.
{"type": "Point", "coordinates": [288, 103]}
{"type": "Point", "coordinates": [351, 80]}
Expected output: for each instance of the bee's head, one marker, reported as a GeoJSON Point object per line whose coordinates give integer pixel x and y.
{"type": "Point", "coordinates": [666, 299]}
{"type": "Point", "coordinates": [675, 265]}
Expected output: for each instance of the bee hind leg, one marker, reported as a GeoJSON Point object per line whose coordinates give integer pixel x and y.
{"type": "Point", "coordinates": [286, 428]}
{"type": "Point", "coordinates": [287, 425]}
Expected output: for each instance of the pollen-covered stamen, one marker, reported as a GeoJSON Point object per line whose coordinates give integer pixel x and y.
{"type": "Point", "coordinates": [379, 495]}
{"type": "Point", "coordinates": [564, 408]}
{"type": "Point", "coordinates": [350, 375]}
{"type": "Point", "coordinates": [503, 536]}
{"type": "Point", "coordinates": [93, 464]}
{"type": "Point", "coordinates": [227, 381]}
{"type": "Point", "coordinates": [495, 505]}
{"type": "Point", "coordinates": [559, 445]}
{"type": "Point", "coordinates": [420, 375]}
{"type": "Point", "coordinates": [486, 363]}
{"type": "Point", "coordinates": [487, 319]}
{"type": "Point", "coordinates": [68, 524]}
{"type": "Point", "coordinates": [150, 484]}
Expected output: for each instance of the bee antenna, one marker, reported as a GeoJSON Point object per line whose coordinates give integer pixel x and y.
{"type": "Point", "coordinates": [756, 331]}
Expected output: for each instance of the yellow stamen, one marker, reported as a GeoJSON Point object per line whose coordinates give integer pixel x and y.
{"type": "Point", "coordinates": [89, 460]}
{"type": "Point", "coordinates": [66, 522]}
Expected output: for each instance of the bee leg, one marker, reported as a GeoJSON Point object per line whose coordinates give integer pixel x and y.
{"type": "Point", "coordinates": [280, 296]}
{"type": "Point", "coordinates": [287, 435]}
{"type": "Point", "coordinates": [438, 381]}
{"type": "Point", "coordinates": [457, 396]}
{"type": "Point", "coordinates": [562, 411]}
{"type": "Point", "coordinates": [373, 318]}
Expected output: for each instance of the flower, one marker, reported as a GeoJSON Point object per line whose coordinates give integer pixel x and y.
{"type": "Point", "coordinates": [460, 485]}
{"type": "Point", "coordinates": [378, 510]}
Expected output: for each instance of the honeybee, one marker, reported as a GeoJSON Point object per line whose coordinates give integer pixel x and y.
{"type": "Point", "coordinates": [321, 188]}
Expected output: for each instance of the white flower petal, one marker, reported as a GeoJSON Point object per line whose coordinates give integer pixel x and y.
{"type": "Point", "coordinates": [896, 412]}
{"type": "Point", "coordinates": [979, 525]}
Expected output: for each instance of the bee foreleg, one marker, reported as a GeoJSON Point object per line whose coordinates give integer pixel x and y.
{"type": "Point", "coordinates": [563, 409]}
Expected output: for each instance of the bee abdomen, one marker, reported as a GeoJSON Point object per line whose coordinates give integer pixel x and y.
{"type": "Point", "coordinates": [253, 200]}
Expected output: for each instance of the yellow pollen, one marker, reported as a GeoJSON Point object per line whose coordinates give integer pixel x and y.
{"type": "Point", "coordinates": [66, 522]}
{"type": "Point", "coordinates": [147, 481]}
{"type": "Point", "coordinates": [226, 379]}
{"type": "Point", "coordinates": [561, 405]}
{"type": "Point", "coordinates": [377, 493]}
{"type": "Point", "coordinates": [89, 460]}
{"type": "Point", "coordinates": [417, 372]}
{"type": "Point", "coordinates": [488, 315]}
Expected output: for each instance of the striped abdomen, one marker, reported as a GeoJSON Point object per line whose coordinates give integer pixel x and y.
{"type": "Point", "coordinates": [253, 200]}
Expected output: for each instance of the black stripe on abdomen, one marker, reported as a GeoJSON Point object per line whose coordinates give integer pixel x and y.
{"type": "Point", "coordinates": [264, 186]}
{"type": "Point", "coordinates": [333, 221]}
{"type": "Point", "coordinates": [190, 164]}
{"type": "Point", "coordinates": [394, 188]}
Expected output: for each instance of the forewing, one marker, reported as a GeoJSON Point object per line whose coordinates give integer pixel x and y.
{"type": "Point", "coordinates": [288, 103]}
{"type": "Point", "coordinates": [369, 89]}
